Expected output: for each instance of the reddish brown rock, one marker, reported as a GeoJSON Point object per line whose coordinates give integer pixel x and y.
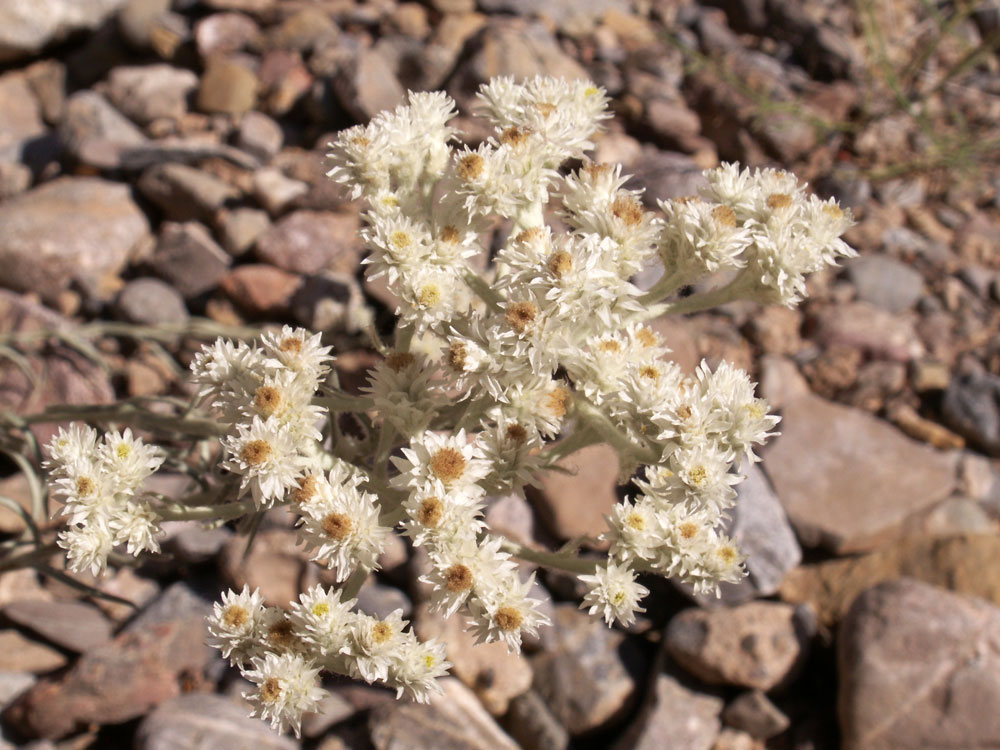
{"type": "Point", "coordinates": [274, 565]}
{"type": "Point", "coordinates": [73, 625]}
{"type": "Point", "coordinates": [312, 241]}
{"type": "Point", "coordinates": [259, 289]}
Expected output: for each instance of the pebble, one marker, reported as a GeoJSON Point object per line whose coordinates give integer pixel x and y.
{"type": "Point", "coordinates": [25, 28]}
{"type": "Point", "coordinates": [148, 92]}
{"type": "Point", "coordinates": [240, 227]}
{"type": "Point", "coordinates": [206, 722]}
{"type": "Point", "coordinates": [919, 667]}
{"type": "Point", "coordinates": [312, 241]}
{"type": "Point", "coordinates": [575, 504]}
{"type": "Point", "coordinates": [260, 135]}
{"type": "Point", "coordinates": [367, 84]}
{"type": "Point", "coordinates": [227, 88]}
{"type": "Point", "coordinates": [138, 18]}
{"type": "Point", "coordinates": [971, 407]}
{"type": "Point", "coordinates": [274, 191]}
{"type": "Point", "coordinates": [22, 121]}
{"type": "Point", "coordinates": [95, 133]}
{"type": "Point", "coordinates": [274, 565]}
{"type": "Point", "coordinates": [861, 325]}
{"type": "Point", "coordinates": [689, 719]}
{"type": "Point", "coordinates": [185, 193]}
{"type": "Point", "coordinates": [532, 725]}
{"type": "Point", "coordinates": [193, 544]}
{"type": "Point", "coordinates": [582, 650]}
{"type": "Point", "coordinates": [150, 302]}
{"type": "Point", "coordinates": [380, 600]}
{"type": "Point", "coordinates": [756, 645]}
{"type": "Point", "coordinates": [329, 301]}
{"type": "Point", "coordinates": [224, 33]}
{"type": "Point", "coordinates": [188, 257]}
{"type": "Point", "coordinates": [753, 713]}
{"type": "Point", "coordinates": [21, 654]}
{"type": "Point", "coordinates": [261, 290]}
{"type": "Point", "coordinates": [75, 626]}
{"type": "Point", "coordinates": [98, 229]}
{"type": "Point", "coordinates": [664, 175]}
{"type": "Point", "coordinates": [885, 282]}
{"type": "Point", "coordinates": [456, 721]}
{"type": "Point", "coordinates": [15, 178]}
{"type": "Point", "coordinates": [12, 684]}
{"type": "Point", "coordinates": [831, 459]}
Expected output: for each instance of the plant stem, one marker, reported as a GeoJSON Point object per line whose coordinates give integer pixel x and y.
{"type": "Point", "coordinates": [29, 558]}
{"type": "Point", "coordinates": [557, 560]}
{"type": "Point", "coordinates": [127, 413]}
{"type": "Point", "coordinates": [344, 402]}
{"type": "Point", "coordinates": [223, 511]}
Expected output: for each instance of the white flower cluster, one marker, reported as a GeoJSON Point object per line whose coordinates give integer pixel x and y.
{"type": "Point", "coordinates": [284, 653]}
{"type": "Point", "coordinates": [99, 482]}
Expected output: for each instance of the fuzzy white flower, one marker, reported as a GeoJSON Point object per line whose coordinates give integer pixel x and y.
{"type": "Point", "coordinates": [235, 625]}
{"type": "Point", "coordinates": [287, 687]}
{"type": "Point", "coordinates": [264, 454]}
{"type": "Point", "coordinates": [438, 460]}
{"type": "Point", "coordinates": [614, 593]}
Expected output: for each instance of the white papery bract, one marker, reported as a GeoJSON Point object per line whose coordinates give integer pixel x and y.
{"type": "Point", "coordinates": [265, 455]}
{"type": "Point", "coordinates": [287, 687]}
{"type": "Point", "coordinates": [236, 625]}
{"type": "Point", "coordinates": [614, 594]}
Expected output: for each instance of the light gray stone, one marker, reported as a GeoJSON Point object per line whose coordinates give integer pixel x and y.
{"type": "Point", "coordinates": [185, 193]}
{"type": "Point", "coordinates": [75, 626]}
{"type": "Point", "coordinates": [885, 282]}
{"type": "Point", "coordinates": [150, 302]}
{"type": "Point", "coordinates": [675, 717]}
{"type": "Point", "coordinates": [96, 133]}
{"type": "Point", "coordinates": [149, 92]}
{"type": "Point", "coordinates": [22, 116]}
{"type": "Point", "coordinates": [188, 257]}
{"type": "Point", "coordinates": [26, 27]}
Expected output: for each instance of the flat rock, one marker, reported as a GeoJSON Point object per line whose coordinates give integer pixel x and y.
{"type": "Point", "coordinates": [581, 650]}
{"type": "Point", "coordinates": [381, 600]}
{"type": "Point", "coordinates": [453, 721]}
{"type": "Point", "coordinates": [690, 720]}
{"type": "Point", "coordinates": [22, 121]}
{"type": "Point", "coordinates": [227, 87]}
{"type": "Point", "coordinates": [575, 504]}
{"type": "Point", "coordinates": [665, 175]}
{"type": "Point", "coordinates": [20, 654]}
{"type": "Point", "coordinates": [239, 228]}
{"type": "Point", "coordinates": [275, 191]}
{"type": "Point", "coordinates": [972, 407]}
{"type": "Point", "coordinates": [149, 662]}
{"type": "Point", "coordinates": [12, 684]}
{"type": "Point", "coordinates": [75, 626]}
{"type": "Point", "coordinates": [367, 84]}
{"type": "Point", "coordinates": [261, 290]}
{"type": "Point", "coordinates": [184, 150]}
{"type": "Point", "coordinates": [96, 133]}
{"type": "Point", "coordinates": [25, 28]}
{"type": "Point", "coordinates": [967, 564]}
{"type": "Point", "coordinates": [148, 92]}
{"type": "Point", "coordinates": [260, 135]}
{"type": "Point", "coordinates": [224, 33]}
{"type": "Point", "coordinates": [81, 228]}
{"type": "Point", "coordinates": [493, 673]}
{"type": "Point", "coordinates": [206, 722]}
{"type": "Point", "coordinates": [150, 302]}
{"type": "Point", "coordinates": [313, 241]}
{"type": "Point", "coordinates": [919, 667]}
{"type": "Point", "coordinates": [188, 257]}
{"type": "Point", "coordinates": [532, 725]}
{"type": "Point", "coordinates": [877, 332]}
{"type": "Point", "coordinates": [756, 645]}
{"type": "Point", "coordinates": [274, 565]}
{"type": "Point", "coordinates": [885, 282]}
{"type": "Point", "coordinates": [185, 193]}
{"type": "Point", "coordinates": [753, 713]}
{"type": "Point", "coordinates": [846, 479]}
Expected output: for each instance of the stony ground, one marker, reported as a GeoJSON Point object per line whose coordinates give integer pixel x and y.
{"type": "Point", "coordinates": [163, 163]}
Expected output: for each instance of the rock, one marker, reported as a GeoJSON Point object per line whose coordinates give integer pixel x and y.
{"type": "Point", "coordinates": [831, 460]}
{"type": "Point", "coordinates": [575, 504]}
{"type": "Point", "coordinates": [47, 79]}
{"type": "Point", "coordinates": [148, 92]}
{"type": "Point", "coordinates": [96, 133]}
{"type": "Point", "coordinates": [188, 257]}
{"type": "Point", "coordinates": [861, 325]}
{"type": "Point", "coordinates": [964, 563]}
{"type": "Point", "coordinates": [333, 709]}
{"type": "Point", "coordinates": [184, 150]}
{"type": "Point", "coordinates": [138, 19]}
{"type": "Point", "coordinates": [455, 721]}
{"type": "Point", "coordinates": [734, 739]}
{"type": "Point", "coordinates": [664, 175]}
{"type": "Point", "coordinates": [512, 517]}
{"type": "Point", "coordinates": [193, 544]}
{"type": "Point", "coordinates": [143, 666]}
{"type": "Point", "coordinates": [284, 79]}
{"type": "Point", "coordinates": [756, 645]}
{"type": "Point", "coordinates": [533, 726]}
{"type": "Point", "coordinates": [224, 33]}
{"type": "Point", "coordinates": [366, 85]}
{"type": "Point", "coordinates": [410, 19]}
{"type": "Point", "coordinates": [22, 121]}
{"type": "Point", "coordinates": [185, 193]}
{"type": "Point", "coordinates": [274, 191]}
{"type": "Point", "coordinates": [20, 654]}
{"type": "Point", "coordinates": [14, 179]}
{"type": "Point", "coordinates": [906, 418]}
{"type": "Point", "coordinates": [760, 528]}
{"type": "Point", "coordinates": [582, 650]}
{"type": "Point", "coordinates": [260, 289]}
{"type": "Point", "coordinates": [918, 668]}
{"type": "Point", "coordinates": [380, 600]}
{"type": "Point", "coordinates": [98, 228]}
{"type": "Point", "coordinates": [753, 713]}
{"type": "Point", "coordinates": [25, 28]}
{"type": "Point", "coordinates": [12, 684]}
{"type": "Point", "coordinates": [227, 88]}
{"type": "Point", "coordinates": [206, 722]}
{"type": "Point", "coordinates": [776, 330]}
{"type": "Point", "coordinates": [124, 583]}
{"type": "Point", "coordinates": [313, 241]}
{"type": "Point", "coordinates": [274, 565]}
{"type": "Point", "coordinates": [74, 626]}
{"type": "Point", "coordinates": [150, 302]}
{"type": "Point", "coordinates": [239, 228]}
{"type": "Point", "coordinates": [330, 301]}
{"type": "Point", "coordinates": [885, 282]}
{"type": "Point", "coordinates": [260, 135]}
{"type": "Point", "coordinates": [972, 407]}
{"type": "Point", "coordinates": [16, 488]}
{"type": "Point", "coordinates": [416, 65]}
{"type": "Point", "coordinates": [494, 674]}
{"type": "Point", "coordinates": [303, 30]}
{"type": "Point", "coordinates": [689, 719]}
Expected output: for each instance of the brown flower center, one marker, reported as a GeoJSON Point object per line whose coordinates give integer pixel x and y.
{"type": "Point", "coordinates": [457, 354]}
{"type": "Point", "coordinates": [256, 452]}
{"type": "Point", "coordinates": [520, 315]}
{"type": "Point", "coordinates": [646, 337]}
{"type": "Point", "coordinates": [450, 235]}
{"type": "Point", "coordinates": [235, 616]}
{"type": "Point", "coordinates": [779, 200]}
{"type": "Point", "coordinates": [531, 234]}
{"type": "Point", "coordinates": [431, 511]}
{"type": "Point", "coordinates": [688, 529]}
{"type": "Point", "coordinates": [650, 372]}
{"type": "Point", "coordinates": [291, 344]}
{"type": "Point", "coordinates": [627, 208]}
{"type": "Point", "coordinates": [337, 526]}
{"type": "Point", "coordinates": [306, 490]}
{"type": "Point", "coordinates": [270, 689]}
{"type": "Point", "coordinates": [381, 632]}
{"type": "Point", "coordinates": [448, 464]}
{"type": "Point", "coordinates": [515, 136]}
{"type": "Point", "coordinates": [560, 263]}
{"type": "Point", "coordinates": [458, 578]}
{"type": "Point", "coordinates": [516, 433]}
{"type": "Point", "coordinates": [267, 399]}
{"type": "Point", "coordinates": [724, 216]}
{"type": "Point", "coordinates": [508, 618]}
{"type": "Point", "coordinates": [557, 402]}
{"type": "Point", "coordinates": [281, 634]}
{"type": "Point", "coordinates": [470, 166]}
{"type": "Point", "coordinates": [610, 346]}
{"type": "Point", "coordinates": [85, 486]}
{"type": "Point", "coordinates": [397, 361]}
{"type": "Point", "coordinates": [728, 554]}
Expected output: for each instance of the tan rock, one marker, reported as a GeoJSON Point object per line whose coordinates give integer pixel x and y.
{"type": "Point", "coordinates": [575, 504]}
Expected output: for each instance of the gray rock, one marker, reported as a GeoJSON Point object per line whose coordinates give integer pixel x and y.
{"type": "Point", "coordinates": [48, 81]}
{"type": "Point", "coordinates": [664, 175]}
{"type": "Point", "coordinates": [571, 14]}
{"type": "Point", "coordinates": [533, 726]}
{"type": "Point", "coordinates": [185, 193]}
{"type": "Point", "coordinates": [80, 228]}
{"type": "Point", "coordinates": [22, 116]}
{"type": "Point", "coordinates": [138, 18]}
{"type": "Point", "coordinates": [188, 257]}
{"type": "Point", "coordinates": [757, 645]}
{"type": "Point", "coordinates": [972, 407]}
{"type": "Point", "coordinates": [239, 228]}
{"type": "Point", "coordinates": [878, 333]}
{"type": "Point", "coordinates": [150, 302]}
{"type": "Point", "coordinates": [885, 282]}
{"type": "Point", "coordinates": [328, 301]}
{"type": "Point", "coordinates": [754, 713]}
{"type": "Point", "coordinates": [224, 33]}
{"type": "Point", "coordinates": [184, 151]}
{"type": "Point", "coordinates": [380, 600]}
{"type": "Point", "coordinates": [206, 722]}
{"type": "Point", "coordinates": [366, 85]}
{"type": "Point", "coordinates": [12, 684]}
{"type": "Point", "coordinates": [312, 241]}
{"type": "Point", "coordinates": [75, 626]}
{"type": "Point", "coordinates": [15, 178]}
{"type": "Point", "coordinates": [582, 650]}
{"type": "Point", "coordinates": [25, 28]}
{"type": "Point", "coordinates": [455, 721]}
{"type": "Point", "coordinates": [260, 135]}
{"type": "Point", "coordinates": [193, 544]}
{"type": "Point", "coordinates": [96, 133]}
{"type": "Point", "coordinates": [333, 709]}
{"type": "Point", "coordinates": [21, 654]}
{"type": "Point", "coordinates": [919, 667]}
{"type": "Point", "coordinates": [831, 460]}
{"type": "Point", "coordinates": [690, 720]}
{"type": "Point", "coordinates": [274, 191]}
{"type": "Point", "coordinates": [149, 92]}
